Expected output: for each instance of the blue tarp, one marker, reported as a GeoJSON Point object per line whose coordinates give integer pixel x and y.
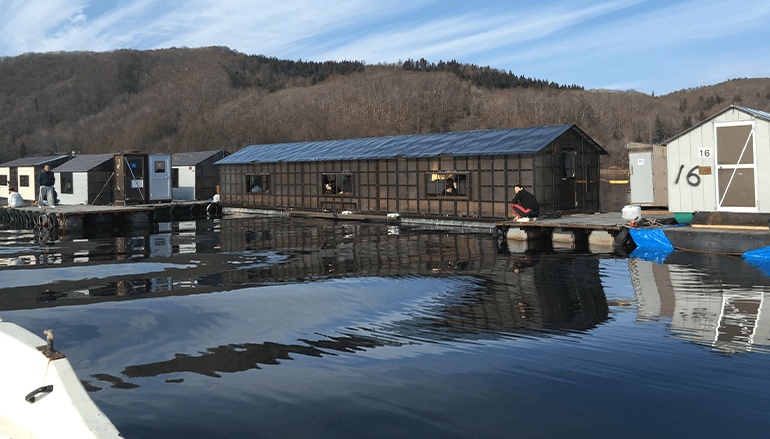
{"type": "Point", "coordinates": [652, 254]}
{"type": "Point", "coordinates": [653, 238]}
{"type": "Point", "coordinates": [759, 258]}
{"type": "Point", "coordinates": [762, 254]}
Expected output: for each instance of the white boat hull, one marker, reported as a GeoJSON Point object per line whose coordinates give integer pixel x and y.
{"type": "Point", "coordinates": [64, 411]}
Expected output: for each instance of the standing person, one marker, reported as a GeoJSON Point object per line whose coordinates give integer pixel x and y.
{"type": "Point", "coordinates": [524, 204]}
{"type": "Point", "coordinates": [46, 181]}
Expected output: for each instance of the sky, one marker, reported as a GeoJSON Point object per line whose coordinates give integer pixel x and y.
{"type": "Point", "coordinates": [652, 46]}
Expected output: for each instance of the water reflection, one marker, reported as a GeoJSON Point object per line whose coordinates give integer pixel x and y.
{"type": "Point", "coordinates": [305, 328]}
{"type": "Point", "coordinates": [713, 300]}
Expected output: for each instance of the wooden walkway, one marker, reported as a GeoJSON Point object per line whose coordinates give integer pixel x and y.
{"type": "Point", "coordinates": [77, 217]}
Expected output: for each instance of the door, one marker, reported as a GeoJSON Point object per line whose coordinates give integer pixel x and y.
{"type": "Point", "coordinates": [641, 178]}
{"type": "Point", "coordinates": [160, 176]}
{"type": "Point", "coordinates": [735, 167]}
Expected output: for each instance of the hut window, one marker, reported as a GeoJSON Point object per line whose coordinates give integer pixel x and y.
{"type": "Point", "coordinates": [337, 184]}
{"type": "Point", "coordinates": [568, 164]}
{"type": "Point", "coordinates": [3, 180]}
{"type": "Point", "coordinates": [257, 183]}
{"type": "Point", "coordinates": [66, 182]}
{"type": "Point", "coordinates": [24, 180]}
{"type": "Point", "coordinates": [444, 184]}
{"type": "Point", "coordinates": [174, 177]}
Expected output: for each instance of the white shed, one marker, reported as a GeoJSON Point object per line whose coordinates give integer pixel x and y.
{"type": "Point", "coordinates": [716, 166]}
{"type": "Point", "coordinates": [86, 179]}
{"type": "Point", "coordinates": [193, 174]}
{"type": "Point", "coordinates": [22, 174]}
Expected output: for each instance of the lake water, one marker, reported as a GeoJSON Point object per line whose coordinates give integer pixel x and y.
{"type": "Point", "coordinates": [276, 327]}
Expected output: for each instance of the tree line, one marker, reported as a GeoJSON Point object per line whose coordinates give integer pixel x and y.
{"type": "Point", "coordinates": [177, 100]}
{"type": "Point", "coordinates": [486, 77]}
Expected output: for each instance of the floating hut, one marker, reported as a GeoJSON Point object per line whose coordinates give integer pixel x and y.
{"type": "Point", "coordinates": [86, 179]}
{"type": "Point", "coordinates": [22, 174]}
{"type": "Point", "coordinates": [193, 174]}
{"type": "Point", "coordinates": [142, 178]}
{"type": "Point", "coordinates": [715, 166]}
{"type": "Point", "coordinates": [409, 174]}
{"type": "Point", "coordinates": [648, 174]}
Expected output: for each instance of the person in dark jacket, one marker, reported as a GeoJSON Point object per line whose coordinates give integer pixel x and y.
{"type": "Point", "coordinates": [524, 204]}
{"type": "Point", "coordinates": [46, 181]}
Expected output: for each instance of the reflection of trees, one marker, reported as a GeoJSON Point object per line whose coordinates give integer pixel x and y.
{"type": "Point", "coordinates": [241, 357]}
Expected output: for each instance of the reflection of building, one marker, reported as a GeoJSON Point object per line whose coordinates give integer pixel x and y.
{"type": "Point", "coordinates": [720, 307]}
{"type": "Point", "coordinates": [500, 295]}
{"type": "Point", "coordinates": [545, 291]}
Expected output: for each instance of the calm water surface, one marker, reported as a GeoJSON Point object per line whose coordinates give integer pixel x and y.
{"type": "Point", "coordinates": [269, 327]}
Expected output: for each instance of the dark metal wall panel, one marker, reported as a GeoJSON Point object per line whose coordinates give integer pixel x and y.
{"type": "Point", "coordinates": [399, 184]}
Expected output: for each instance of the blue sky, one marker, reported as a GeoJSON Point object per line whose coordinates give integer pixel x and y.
{"type": "Point", "coordinates": [650, 46]}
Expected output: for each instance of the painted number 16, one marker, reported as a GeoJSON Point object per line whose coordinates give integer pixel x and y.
{"type": "Point", "coordinates": [704, 152]}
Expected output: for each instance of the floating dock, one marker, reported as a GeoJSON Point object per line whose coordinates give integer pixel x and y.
{"type": "Point", "coordinates": [79, 217]}
{"type": "Point", "coordinates": [607, 229]}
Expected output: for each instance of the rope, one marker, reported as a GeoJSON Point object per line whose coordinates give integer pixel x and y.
{"type": "Point", "coordinates": [105, 185]}
{"type": "Point", "coordinates": [141, 191]}
{"type": "Point", "coordinates": [707, 251]}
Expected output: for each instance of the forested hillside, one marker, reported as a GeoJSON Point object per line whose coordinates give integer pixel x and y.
{"type": "Point", "coordinates": [215, 98]}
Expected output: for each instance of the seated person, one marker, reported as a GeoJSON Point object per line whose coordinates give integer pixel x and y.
{"type": "Point", "coordinates": [524, 204]}
{"type": "Point", "coordinates": [331, 188]}
{"type": "Point", "coordinates": [451, 187]}
{"type": "Point", "coordinates": [14, 198]}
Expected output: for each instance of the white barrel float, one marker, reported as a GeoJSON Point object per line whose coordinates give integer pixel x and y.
{"type": "Point", "coordinates": [632, 212]}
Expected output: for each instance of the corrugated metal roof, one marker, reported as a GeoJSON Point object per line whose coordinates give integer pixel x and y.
{"type": "Point", "coordinates": [485, 142]}
{"type": "Point", "coordinates": [32, 161]}
{"type": "Point", "coordinates": [192, 158]}
{"type": "Point", "coordinates": [757, 113]}
{"type": "Point", "coordinates": [83, 162]}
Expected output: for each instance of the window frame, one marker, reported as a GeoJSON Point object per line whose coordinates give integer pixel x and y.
{"type": "Point", "coordinates": [23, 180]}
{"type": "Point", "coordinates": [433, 176]}
{"type": "Point", "coordinates": [3, 180]}
{"type": "Point", "coordinates": [263, 182]}
{"type": "Point", "coordinates": [348, 177]}
{"type": "Point", "coordinates": [63, 178]}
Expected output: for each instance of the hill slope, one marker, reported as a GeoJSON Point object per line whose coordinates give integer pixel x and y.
{"type": "Point", "coordinates": [215, 98]}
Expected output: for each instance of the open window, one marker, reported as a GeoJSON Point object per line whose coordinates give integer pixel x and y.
{"type": "Point", "coordinates": [258, 183]}
{"type": "Point", "coordinates": [446, 184]}
{"type": "Point", "coordinates": [24, 180]}
{"type": "Point", "coordinates": [568, 159]}
{"type": "Point", "coordinates": [66, 182]}
{"type": "Point", "coordinates": [337, 184]}
{"type": "Point", "coordinates": [3, 180]}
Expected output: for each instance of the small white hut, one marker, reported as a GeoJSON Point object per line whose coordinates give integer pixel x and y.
{"type": "Point", "coordinates": [86, 179]}
{"type": "Point", "coordinates": [716, 166]}
{"type": "Point", "coordinates": [22, 174]}
{"type": "Point", "coordinates": [193, 174]}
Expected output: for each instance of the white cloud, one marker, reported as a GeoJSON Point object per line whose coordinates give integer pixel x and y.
{"type": "Point", "coordinates": [578, 41]}
{"type": "Point", "coordinates": [460, 36]}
